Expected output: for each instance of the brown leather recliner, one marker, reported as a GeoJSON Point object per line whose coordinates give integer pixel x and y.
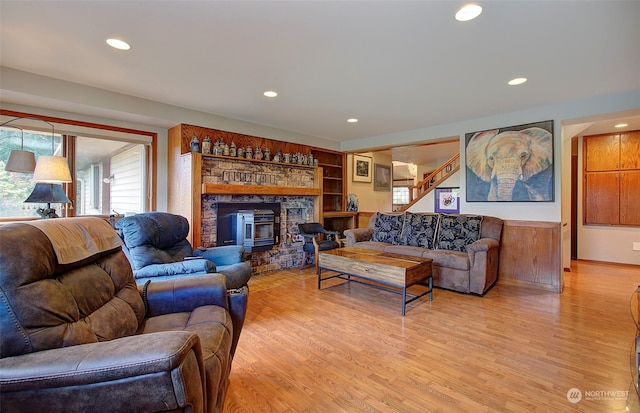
{"type": "Point", "coordinates": [76, 334]}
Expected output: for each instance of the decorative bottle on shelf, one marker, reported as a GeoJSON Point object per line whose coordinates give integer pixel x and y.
{"type": "Point", "coordinates": [225, 149]}
{"type": "Point", "coordinates": [206, 145]}
{"type": "Point", "coordinates": [240, 152]}
{"type": "Point", "coordinates": [258, 154]}
{"type": "Point", "coordinates": [267, 154]}
{"type": "Point", "coordinates": [248, 153]}
{"type": "Point", "coordinates": [195, 144]}
{"type": "Point", "coordinates": [232, 149]}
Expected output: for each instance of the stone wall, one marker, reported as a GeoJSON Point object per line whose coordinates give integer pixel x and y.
{"type": "Point", "coordinates": [239, 172]}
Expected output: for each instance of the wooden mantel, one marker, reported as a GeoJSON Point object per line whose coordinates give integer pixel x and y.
{"type": "Point", "coordinates": [258, 190]}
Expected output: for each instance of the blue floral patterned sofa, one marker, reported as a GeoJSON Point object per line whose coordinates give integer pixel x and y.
{"type": "Point", "coordinates": [464, 248]}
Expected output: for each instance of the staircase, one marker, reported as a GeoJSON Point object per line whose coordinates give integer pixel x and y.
{"type": "Point", "coordinates": [418, 191]}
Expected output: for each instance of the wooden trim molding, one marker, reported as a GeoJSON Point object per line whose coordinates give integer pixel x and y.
{"type": "Point", "coordinates": [258, 190]}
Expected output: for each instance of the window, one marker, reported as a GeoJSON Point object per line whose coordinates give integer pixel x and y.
{"type": "Point", "coordinates": [112, 168]}
{"type": "Point", "coordinates": [95, 187]}
{"type": "Point", "coordinates": [16, 187]}
{"type": "Point", "coordinates": [400, 195]}
{"type": "Point", "coordinates": [110, 176]}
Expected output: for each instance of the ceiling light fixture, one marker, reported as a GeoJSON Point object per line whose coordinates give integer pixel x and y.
{"type": "Point", "coordinates": [270, 94]}
{"type": "Point", "coordinates": [352, 120]}
{"type": "Point", "coordinates": [517, 81]}
{"type": "Point", "coordinates": [621, 125]}
{"type": "Point", "coordinates": [118, 44]}
{"type": "Point", "coordinates": [468, 12]}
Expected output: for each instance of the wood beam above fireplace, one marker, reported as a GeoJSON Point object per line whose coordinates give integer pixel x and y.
{"type": "Point", "coordinates": [258, 190]}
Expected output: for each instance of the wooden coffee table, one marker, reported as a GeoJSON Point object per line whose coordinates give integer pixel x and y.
{"type": "Point", "coordinates": [391, 270]}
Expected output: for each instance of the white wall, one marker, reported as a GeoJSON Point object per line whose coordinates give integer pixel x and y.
{"type": "Point", "coordinates": [427, 203]}
{"type": "Point", "coordinates": [127, 190]}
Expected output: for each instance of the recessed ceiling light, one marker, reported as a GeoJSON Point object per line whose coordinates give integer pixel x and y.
{"type": "Point", "coordinates": [118, 44]}
{"type": "Point", "coordinates": [352, 120]}
{"type": "Point", "coordinates": [621, 125]}
{"type": "Point", "coordinates": [468, 12]}
{"type": "Point", "coordinates": [517, 81]}
{"type": "Point", "coordinates": [270, 94]}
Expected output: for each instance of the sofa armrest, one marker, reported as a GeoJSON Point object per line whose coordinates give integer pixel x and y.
{"type": "Point", "coordinates": [188, 266]}
{"type": "Point", "coordinates": [483, 244]}
{"type": "Point", "coordinates": [94, 377]}
{"type": "Point", "coordinates": [223, 255]}
{"type": "Point", "coordinates": [357, 235]}
{"type": "Point", "coordinates": [184, 294]}
{"type": "Point", "coordinates": [483, 259]}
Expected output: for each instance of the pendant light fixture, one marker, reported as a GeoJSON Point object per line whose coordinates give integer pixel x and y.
{"type": "Point", "coordinates": [20, 160]}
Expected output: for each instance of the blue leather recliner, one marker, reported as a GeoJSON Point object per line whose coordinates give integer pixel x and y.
{"type": "Point", "coordinates": [155, 244]}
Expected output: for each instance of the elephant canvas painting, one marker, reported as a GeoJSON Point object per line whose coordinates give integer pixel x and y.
{"type": "Point", "coordinates": [511, 164]}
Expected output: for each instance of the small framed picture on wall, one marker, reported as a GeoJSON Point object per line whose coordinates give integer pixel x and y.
{"type": "Point", "coordinates": [362, 168]}
{"type": "Point", "coordinates": [447, 200]}
{"type": "Point", "coordinates": [382, 180]}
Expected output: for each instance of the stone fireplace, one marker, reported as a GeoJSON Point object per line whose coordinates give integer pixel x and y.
{"type": "Point", "coordinates": [285, 253]}
{"type": "Point", "coordinates": [290, 210]}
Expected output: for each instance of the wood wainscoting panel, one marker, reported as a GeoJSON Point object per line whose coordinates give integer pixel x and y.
{"type": "Point", "coordinates": [363, 219]}
{"type": "Point", "coordinates": [530, 253]}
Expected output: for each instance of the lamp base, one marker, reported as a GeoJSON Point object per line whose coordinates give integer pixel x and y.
{"type": "Point", "coordinates": [47, 212]}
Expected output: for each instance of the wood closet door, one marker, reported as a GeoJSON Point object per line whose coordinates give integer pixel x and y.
{"type": "Point", "coordinates": [630, 150]}
{"type": "Point", "coordinates": [602, 153]}
{"type": "Point", "coordinates": [602, 198]}
{"type": "Point", "coordinates": [630, 198]}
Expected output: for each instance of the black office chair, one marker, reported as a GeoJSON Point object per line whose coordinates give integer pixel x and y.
{"type": "Point", "coordinates": [316, 239]}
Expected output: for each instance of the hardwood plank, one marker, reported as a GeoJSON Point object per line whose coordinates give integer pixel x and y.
{"type": "Point", "coordinates": [346, 348]}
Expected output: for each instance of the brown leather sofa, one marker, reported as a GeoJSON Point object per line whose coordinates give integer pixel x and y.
{"type": "Point", "coordinates": [464, 247]}
{"type": "Point", "coordinates": [78, 335]}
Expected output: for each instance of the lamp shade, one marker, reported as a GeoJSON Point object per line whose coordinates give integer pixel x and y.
{"type": "Point", "coordinates": [52, 169]}
{"type": "Point", "coordinates": [21, 161]}
{"type": "Point", "coordinates": [48, 193]}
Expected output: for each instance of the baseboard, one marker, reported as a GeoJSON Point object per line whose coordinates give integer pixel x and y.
{"type": "Point", "coordinates": [520, 283]}
{"type": "Point", "coordinates": [617, 264]}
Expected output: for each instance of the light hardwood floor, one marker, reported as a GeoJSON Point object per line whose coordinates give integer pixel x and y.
{"type": "Point", "coordinates": [346, 348]}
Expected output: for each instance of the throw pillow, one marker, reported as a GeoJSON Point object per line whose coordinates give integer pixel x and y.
{"type": "Point", "coordinates": [458, 231]}
{"type": "Point", "coordinates": [388, 228]}
{"type": "Point", "coordinates": [419, 230]}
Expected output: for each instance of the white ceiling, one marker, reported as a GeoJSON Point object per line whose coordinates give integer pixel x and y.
{"type": "Point", "coordinates": [395, 65]}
